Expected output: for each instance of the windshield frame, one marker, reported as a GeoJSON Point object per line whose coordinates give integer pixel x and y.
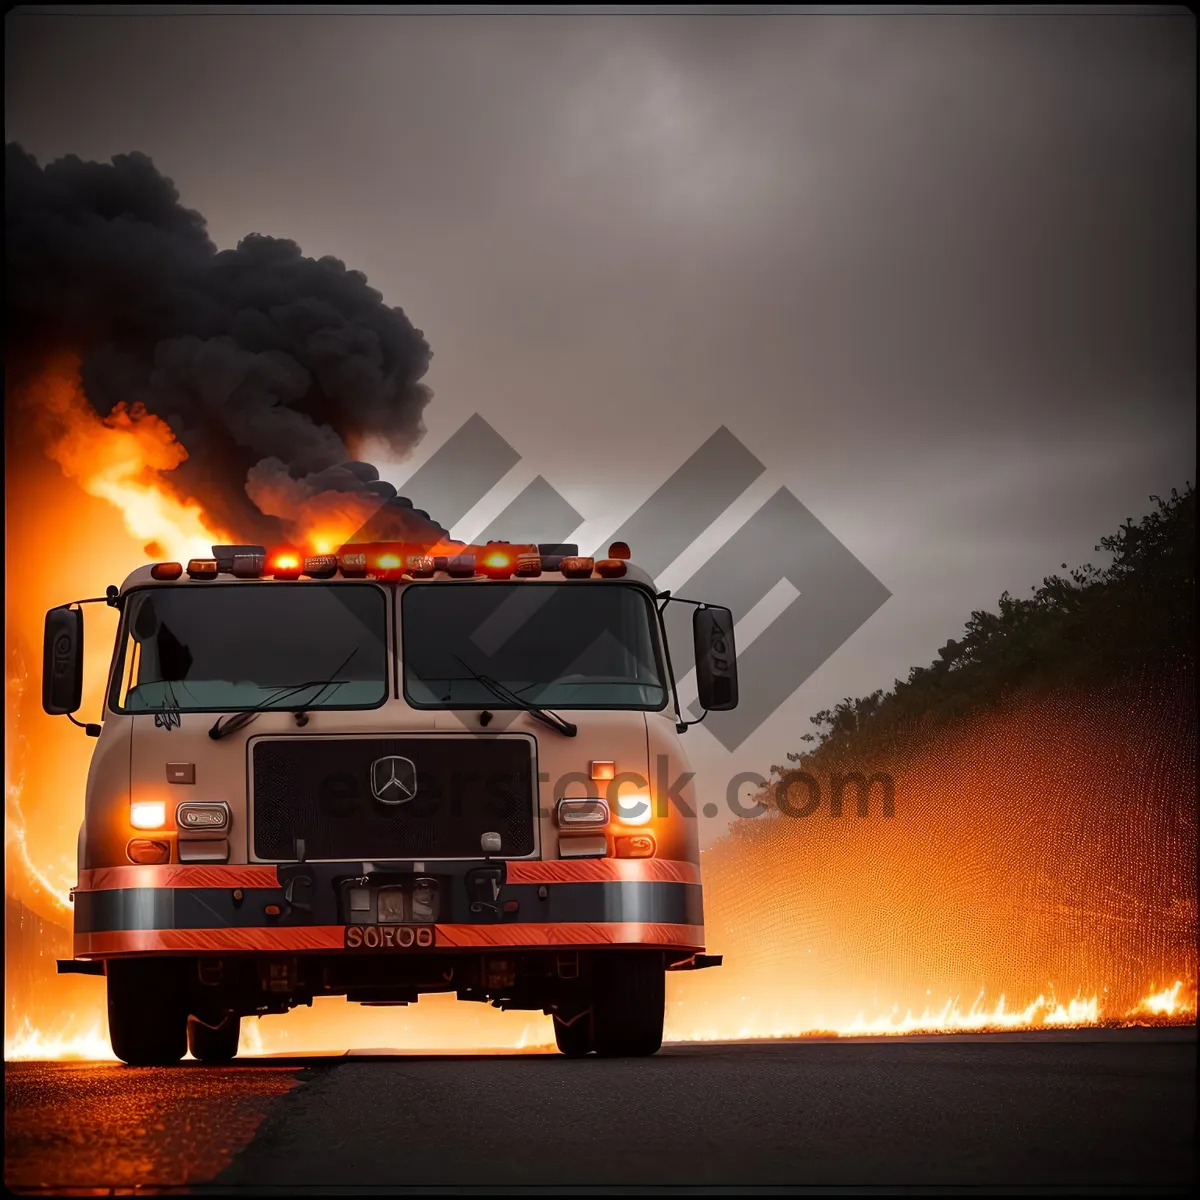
{"type": "Point", "coordinates": [658, 640]}
{"type": "Point", "coordinates": [118, 668]}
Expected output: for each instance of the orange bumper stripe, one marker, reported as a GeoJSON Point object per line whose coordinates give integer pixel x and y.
{"type": "Point", "coordinates": [331, 937]}
{"type": "Point", "coordinates": [249, 875]}
{"type": "Point", "coordinates": [602, 870]}
{"type": "Point", "coordinates": [254, 875]}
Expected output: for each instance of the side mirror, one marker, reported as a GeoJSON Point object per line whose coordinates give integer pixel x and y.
{"type": "Point", "coordinates": [716, 659]}
{"type": "Point", "coordinates": [62, 662]}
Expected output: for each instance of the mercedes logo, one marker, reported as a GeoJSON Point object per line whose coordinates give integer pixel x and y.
{"type": "Point", "coordinates": [393, 779]}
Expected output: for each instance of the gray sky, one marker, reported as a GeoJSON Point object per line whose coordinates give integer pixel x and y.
{"type": "Point", "coordinates": [936, 272]}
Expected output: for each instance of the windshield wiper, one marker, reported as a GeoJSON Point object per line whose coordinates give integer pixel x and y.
{"type": "Point", "coordinates": [167, 717]}
{"type": "Point", "coordinates": [501, 692]}
{"type": "Point", "coordinates": [301, 714]}
{"type": "Point", "coordinates": [242, 719]}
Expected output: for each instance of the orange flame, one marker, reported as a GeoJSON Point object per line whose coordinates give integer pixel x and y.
{"type": "Point", "coordinates": [447, 1025]}
{"type": "Point", "coordinates": [1165, 1004]}
{"type": "Point", "coordinates": [120, 458]}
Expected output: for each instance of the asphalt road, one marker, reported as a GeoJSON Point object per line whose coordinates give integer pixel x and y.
{"type": "Point", "coordinates": [1098, 1110]}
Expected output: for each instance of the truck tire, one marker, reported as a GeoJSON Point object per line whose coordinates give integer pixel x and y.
{"type": "Point", "coordinates": [628, 1003]}
{"type": "Point", "coordinates": [147, 1014]}
{"type": "Point", "coordinates": [574, 1040]}
{"type": "Point", "coordinates": [214, 1045]}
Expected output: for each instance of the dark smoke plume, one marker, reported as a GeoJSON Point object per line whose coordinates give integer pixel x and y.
{"type": "Point", "coordinates": [269, 367]}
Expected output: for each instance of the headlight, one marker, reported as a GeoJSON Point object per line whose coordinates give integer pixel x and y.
{"type": "Point", "coordinates": [148, 814]}
{"type": "Point", "coordinates": [634, 808]}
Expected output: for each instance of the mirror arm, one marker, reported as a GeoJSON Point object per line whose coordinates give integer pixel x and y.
{"type": "Point", "coordinates": [112, 598]}
{"type": "Point", "coordinates": [667, 598]}
{"type": "Point", "coordinates": [680, 724]}
{"type": "Point", "coordinates": [88, 727]}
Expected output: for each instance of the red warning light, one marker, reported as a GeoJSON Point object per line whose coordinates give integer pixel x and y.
{"type": "Point", "coordinates": [498, 564]}
{"type": "Point", "coordinates": [285, 563]}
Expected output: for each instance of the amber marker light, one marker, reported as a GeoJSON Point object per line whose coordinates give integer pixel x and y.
{"type": "Point", "coordinates": [166, 571]}
{"type": "Point", "coordinates": [148, 814]}
{"type": "Point", "coordinates": [637, 845]}
{"type": "Point", "coordinates": [148, 851]}
{"type": "Point", "coordinates": [576, 567]}
{"type": "Point", "coordinates": [202, 568]}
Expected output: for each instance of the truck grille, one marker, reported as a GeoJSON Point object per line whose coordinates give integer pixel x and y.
{"type": "Point", "coordinates": [334, 792]}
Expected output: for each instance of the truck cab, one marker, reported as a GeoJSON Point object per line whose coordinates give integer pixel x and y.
{"type": "Point", "coordinates": [385, 772]}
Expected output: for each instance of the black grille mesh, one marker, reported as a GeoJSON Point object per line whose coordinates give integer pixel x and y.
{"type": "Point", "coordinates": [319, 789]}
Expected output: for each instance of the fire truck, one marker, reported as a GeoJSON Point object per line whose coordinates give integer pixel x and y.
{"type": "Point", "coordinates": [381, 773]}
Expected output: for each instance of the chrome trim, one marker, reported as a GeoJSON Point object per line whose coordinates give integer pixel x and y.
{"type": "Point", "coordinates": [558, 812]}
{"type": "Point", "coordinates": [205, 810]}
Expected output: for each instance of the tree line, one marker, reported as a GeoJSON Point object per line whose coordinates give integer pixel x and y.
{"type": "Point", "coordinates": [1090, 627]}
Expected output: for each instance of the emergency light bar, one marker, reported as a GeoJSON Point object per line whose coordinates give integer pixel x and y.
{"type": "Point", "coordinates": [394, 561]}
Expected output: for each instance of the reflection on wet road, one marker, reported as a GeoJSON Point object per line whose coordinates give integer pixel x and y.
{"type": "Point", "coordinates": [103, 1124]}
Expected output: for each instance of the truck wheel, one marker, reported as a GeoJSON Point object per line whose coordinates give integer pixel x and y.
{"type": "Point", "coordinates": [214, 1045]}
{"type": "Point", "coordinates": [147, 1015]}
{"type": "Point", "coordinates": [574, 1040]}
{"type": "Point", "coordinates": [628, 1002]}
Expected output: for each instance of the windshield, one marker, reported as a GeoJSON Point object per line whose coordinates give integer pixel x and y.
{"type": "Point", "coordinates": [552, 645]}
{"type": "Point", "coordinates": [238, 646]}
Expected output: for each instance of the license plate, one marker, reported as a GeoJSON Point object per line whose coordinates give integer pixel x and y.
{"type": "Point", "coordinates": [389, 937]}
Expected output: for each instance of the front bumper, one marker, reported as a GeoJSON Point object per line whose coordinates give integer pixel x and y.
{"type": "Point", "coordinates": [297, 908]}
